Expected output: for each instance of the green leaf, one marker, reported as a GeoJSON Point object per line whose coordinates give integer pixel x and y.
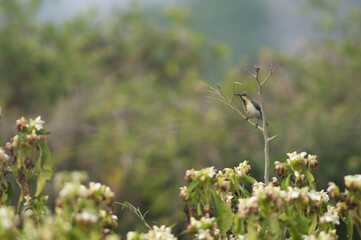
{"type": "Point", "coordinates": [283, 217]}
{"type": "Point", "coordinates": [252, 230]}
{"type": "Point", "coordinates": [275, 229]}
{"type": "Point", "coordinates": [245, 192]}
{"type": "Point", "coordinates": [45, 156]}
{"type": "Point", "coordinates": [302, 223]}
{"type": "Point", "coordinates": [286, 182]}
{"type": "Point", "coordinates": [21, 135]}
{"type": "Point", "coordinates": [187, 231]}
{"type": "Point", "coordinates": [9, 192]}
{"type": "Point", "coordinates": [191, 187]}
{"type": "Point", "coordinates": [222, 212]}
{"type": "Point", "coordinates": [349, 225]}
{"type": "Point", "coordinates": [46, 170]}
{"type": "Point", "coordinates": [264, 228]}
{"type": "Point", "coordinates": [310, 179]}
{"type": "Point", "coordinates": [248, 179]}
{"type": "Point", "coordinates": [199, 209]}
{"type": "Point", "coordinates": [313, 225]}
{"type": "Point", "coordinates": [3, 189]}
{"type": "Point", "coordinates": [43, 131]}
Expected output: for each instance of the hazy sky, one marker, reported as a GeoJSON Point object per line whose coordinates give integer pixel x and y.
{"type": "Point", "coordinates": [289, 28]}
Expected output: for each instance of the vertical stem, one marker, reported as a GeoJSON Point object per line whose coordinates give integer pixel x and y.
{"type": "Point", "coordinates": [21, 198]}
{"type": "Point", "coordinates": [265, 136]}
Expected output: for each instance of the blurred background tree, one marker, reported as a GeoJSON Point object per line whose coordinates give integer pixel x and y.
{"type": "Point", "coordinates": [123, 99]}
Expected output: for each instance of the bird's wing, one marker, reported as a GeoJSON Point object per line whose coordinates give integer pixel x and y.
{"type": "Point", "coordinates": [256, 106]}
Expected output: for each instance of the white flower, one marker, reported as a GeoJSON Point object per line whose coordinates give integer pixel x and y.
{"type": "Point", "coordinates": [204, 234]}
{"type": "Point", "coordinates": [331, 216]}
{"type": "Point", "coordinates": [37, 123]}
{"type": "Point", "coordinates": [320, 236]}
{"type": "Point", "coordinates": [93, 187]}
{"type": "Point", "coordinates": [242, 169]}
{"type": "Point", "coordinates": [73, 190]}
{"type": "Point", "coordinates": [296, 157]}
{"type": "Point", "coordinates": [206, 173]}
{"type": "Point", "coordinates": [132, 235]}
{"type": "Point", "coordinates": [3, 155]}
{"type": "Point", "coordinates": [318, 196]}
{"type": "Point", "coordinates": [331, 186]}
{"type": "Point", "coordinates": [353, 181]}
{"type": "Point", "coordinates": [160, 233]}
{"type": "Point", "coordinates": [247, 206]}
{"type": "Point", "coordinates": [114, 217]}
{"type": "Point", "coordinates": [86, 217]}
{"type": "Point", "coordinates": [8, 219]}
{"type": "Point", "coordinates": [108, 193]}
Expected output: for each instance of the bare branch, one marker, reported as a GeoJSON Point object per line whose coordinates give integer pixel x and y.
{"type": "Point", "coordinates": [246, 70]}
{"type": "Point", "coordinates": [206, 85]}
{"type": "Point", "coordinates": [234, 83]}
{"type": "Point", "coordinates": [257, 68]}
{"type": "Point", "coordinates": [271, 138]}
{"type": "Point", "coordinates": [272, 70]}
{"type": "Point", "coordinates": [214, 92]}
{"type": "Point", "coordinates": [136, 211]}
{"type": "Point", "coordinates": [220, 91]}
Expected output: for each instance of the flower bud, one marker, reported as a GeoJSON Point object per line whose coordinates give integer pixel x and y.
{"type": "Point", "coordinates": [190, 174]}
{"type": "Point", "coordinates": [9, 148]}
{"type": "Point", "coordinates": [183, 193]}
{"type": "Point", "coordinates": [333, 190]}
{"type": "Point", "coordinates": [312, 162]}
{"type": "Point", "coordinates": [279, 168]}
{"type": "Point", "coordinates": [21, 124]}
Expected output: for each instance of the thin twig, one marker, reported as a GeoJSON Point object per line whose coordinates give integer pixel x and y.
{"type": "Point", "coordinates": [235, 109]}
{"type": "Point", "coordinates": [220, 91]}
{"type": "Point", "coordinates": [246, 70]}
{"type": "Point", "coordinates": [269, 75]}
{"type": "Point", "coordinates": [204, 84]}
{"type": "Point", "coordinates": [209, 91]}
{"type": "Point", "coordinates": [136, 211]}
{"type": "Point", "coordinates": [271, 138]}
{"type": "Point", "coordinates": [234, 83]}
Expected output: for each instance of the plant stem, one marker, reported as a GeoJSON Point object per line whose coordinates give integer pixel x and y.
{"type": "Point", "coordinates": [264, 130]}
{"type": "Point", "coordinates": [21, 198]}
{"type": "Point", "coordinates": [265, 137]}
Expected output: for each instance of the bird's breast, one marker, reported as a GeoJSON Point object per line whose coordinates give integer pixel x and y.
{"type": "Point", "coordinates": [251, 110]}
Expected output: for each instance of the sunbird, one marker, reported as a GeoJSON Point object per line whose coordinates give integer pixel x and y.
{"type": "Point", "coordinates": [252, 108]}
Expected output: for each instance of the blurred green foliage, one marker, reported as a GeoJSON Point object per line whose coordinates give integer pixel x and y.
{"type": "Point", "coordinates": [124, 102]}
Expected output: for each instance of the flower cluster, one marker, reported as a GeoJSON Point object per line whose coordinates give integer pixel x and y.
{"type": "Point", "coordinates": [322, 235]}
{"type": "Point", "coordinates": [267, 210]}
{"type": "Point", "coordinates": [93, 204]}
{"type": "Point", "coordinates": [296, 160]}
{"type": "Point", "coordinates": [353, 182]}
{"type": "Point", "coordinates": [157, 233]}
{"type": "Point", "coordinates": [299, 166]}
{"type": "Point", "coordinates": [63, 177]}
{"type": "Point", "coordinates": [331, 216]}
{"type": "Point", "coordinates": [205, 228]}
{"type": "Point", "coordinates": [247, 206]}
{"type": "Point", "coordinates": [8, 219]}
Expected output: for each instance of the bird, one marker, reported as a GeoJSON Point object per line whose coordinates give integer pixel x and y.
{"type": "Point", "coordinates": [251, 107]}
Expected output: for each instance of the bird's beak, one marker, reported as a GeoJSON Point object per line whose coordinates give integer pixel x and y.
{"type": "Point", "coordinates": [238, 94]}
